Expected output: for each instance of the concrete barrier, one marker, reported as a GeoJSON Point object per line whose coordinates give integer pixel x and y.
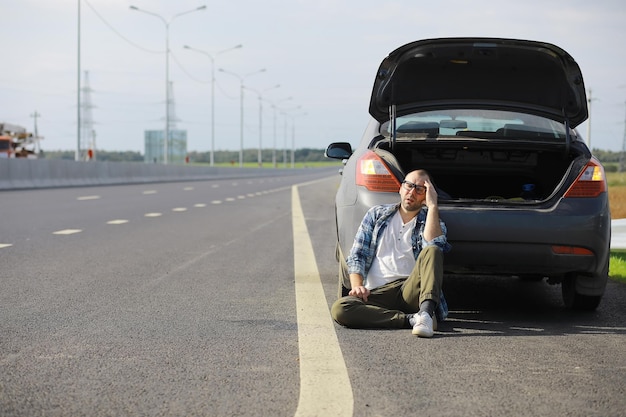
{"type": "Point", "coordinates": [19, 174]}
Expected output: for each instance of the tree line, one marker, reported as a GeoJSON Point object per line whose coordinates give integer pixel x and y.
{"type": "Point", "coordinates": [249, 155]}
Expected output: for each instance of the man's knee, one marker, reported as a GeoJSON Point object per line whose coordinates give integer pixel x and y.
{"type": "Point", "coordinates": [337, 311]}
{"type": "Point", "coordinates": [340, 310]}
{"type": "Point", "coordinates": [432, 252]}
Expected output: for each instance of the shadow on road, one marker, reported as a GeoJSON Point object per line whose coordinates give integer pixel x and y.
{"type": "Point", "coordinates": [512, 307]}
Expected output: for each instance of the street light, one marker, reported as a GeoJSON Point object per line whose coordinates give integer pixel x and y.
{"type": "Point", "coordinates": [284, 112]}
{"type": "Point", "coordinates": [212, 58]}
{"type": "Point", "coordinates": [167, 70]}
{"type": "Point", "coordinates": [260, 94]}
{"type": "Point", "coordinates": [275, 108]}
{"type": "Point", "coordinates": [241, 88]}
{"type": "Point", "coordinates": [293, 137]}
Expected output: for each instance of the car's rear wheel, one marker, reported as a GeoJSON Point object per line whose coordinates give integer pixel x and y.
{"type": "Point", "coordinates": [342, 290]}
{"type": "Point", "coordinates": [575, 300]}
{"type": "Point", "coordinates": [343, 280]}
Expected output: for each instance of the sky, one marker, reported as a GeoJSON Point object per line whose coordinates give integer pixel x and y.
{"type": "Point", "coordinates": [323, 54]}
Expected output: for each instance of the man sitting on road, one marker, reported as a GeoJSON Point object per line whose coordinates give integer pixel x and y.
{"type": "Point", "coordinates": [396, 264]}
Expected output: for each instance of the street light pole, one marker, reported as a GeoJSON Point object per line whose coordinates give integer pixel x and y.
{"type": "Point", "coordinates": [212, 58]}
{"type": "Point", "coordinates": [260, 95]}
{"type": "Point", "coordinates": [241, 88]}
{"type": "Point", "coordinates": [275, 108]}
{"type": "Point", "coordinates": [284, 112]}
{"type": "Point", "coordinates": [167, 70]}
{"type": "Point", "coordinates": [78, 105]}
{"type": "Point", "coordinates": [293, 138]}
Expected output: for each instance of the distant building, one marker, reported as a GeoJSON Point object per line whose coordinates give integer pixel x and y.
{"type": "Point", "coordinates": [176, 147]}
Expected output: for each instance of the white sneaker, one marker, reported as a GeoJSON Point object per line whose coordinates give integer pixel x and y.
{"type": "Point", "coordinates": [423, 326]}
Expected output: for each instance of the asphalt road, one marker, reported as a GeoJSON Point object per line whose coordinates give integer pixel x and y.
{"type": "Point", "coordinates": [184, 299]}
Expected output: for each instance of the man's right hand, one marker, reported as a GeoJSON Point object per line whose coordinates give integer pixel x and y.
{"type": "Point", "coordinates": [360, 292]}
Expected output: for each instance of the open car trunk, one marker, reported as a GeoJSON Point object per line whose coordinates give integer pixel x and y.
{"type": "Point", "coordinates": [486, 172]}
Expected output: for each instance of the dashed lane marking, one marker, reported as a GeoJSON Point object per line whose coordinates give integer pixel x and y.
{"type": "Point", "coordinates": [325, 388]}
{"type": "Point", "coordinates": [179, 209]}
{"type": "Point", "coordinates": [118, 221]}
{"type": "Point", "coordinates": [67, 231]}
{"type": "Point", "coordinates": [147, 192]}
{"type": "Point", "coordinates": [216, 202]}
{"type": "Point", "coordinates": [5, 245]}
{"type": "Point", "coordinates": [199, 205]}
{"type": "Point", "coordinates": [88, 197]}
{"type": "Point", "coordinates": [188, 188]}
{"type": "Point", "coordinates": [153, 215]}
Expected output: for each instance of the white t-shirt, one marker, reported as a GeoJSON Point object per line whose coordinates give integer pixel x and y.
{"type": "Point", "coordinates": [394, 256]}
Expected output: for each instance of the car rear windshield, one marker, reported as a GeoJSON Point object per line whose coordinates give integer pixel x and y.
{"type": "Point", "coordinates": [476, 123]}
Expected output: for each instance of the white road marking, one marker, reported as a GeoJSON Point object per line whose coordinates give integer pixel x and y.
{"type": "Point", "coordinates": [188, 188]}
{"type": "Point", "coordinates": [325, 388]}
{"type": "Point", "coordinates": [88, 197]}
{"type": "Point", "coordinates": [119, 221]}
{"type": "Point", "coordinates": [179, 209]}
{"type": "Point", "coordinates": [5, 245]}
{"type": "Point", "coordinates": [199, 205]}
{"type": "Point", "coordinates": [67, 231]}
{"type": "Point", "coordinates": [150, 192]}
{"type": "Point", "coordinates": [230, 199]}
{"type": "Point", "coordinates": [216, 202]}
{"type": "Point", "coordinates": [152, 215]}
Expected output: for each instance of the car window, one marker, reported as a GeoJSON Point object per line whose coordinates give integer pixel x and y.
{"type": "Point", "coordinates": [477, 123]}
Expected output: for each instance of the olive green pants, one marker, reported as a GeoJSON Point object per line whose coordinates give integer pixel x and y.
{"type": "Point", "coordinates": [387, 306]}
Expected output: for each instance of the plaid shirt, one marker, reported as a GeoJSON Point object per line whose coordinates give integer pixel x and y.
{"type": "Point", "coordinates": [366, 240]}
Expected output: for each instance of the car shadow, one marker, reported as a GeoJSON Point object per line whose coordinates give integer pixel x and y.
{"type": "Point", "coordinates": [488, 306]}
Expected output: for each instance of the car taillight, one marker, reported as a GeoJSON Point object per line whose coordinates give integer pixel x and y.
{"type": "Point", "coordinates": [373, 174]}
{"type": "Point", "coordinates": [590, 183]}
{"type": "Point", "coordinates": [571, 250]}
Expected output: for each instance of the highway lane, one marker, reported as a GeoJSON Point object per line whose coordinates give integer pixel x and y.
{"type": "Point", "coordinates": [193, 312]}
{"type": "Point", "coordinates": [188, 313]}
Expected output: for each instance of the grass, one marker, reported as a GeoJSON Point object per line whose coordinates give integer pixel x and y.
{"type": "Point", "coordinates": [617, 202]}
{"type": "Point", "coordinates": [617, 265]}
{"type": "Point", "coordinates": [279, 165]}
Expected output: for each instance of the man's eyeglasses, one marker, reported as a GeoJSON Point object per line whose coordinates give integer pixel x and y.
{"type": "Point", "coordinates": [409, 186]}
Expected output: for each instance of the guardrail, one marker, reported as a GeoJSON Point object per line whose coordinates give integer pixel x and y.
{"type": "Point", "coordinates": [16, 174]}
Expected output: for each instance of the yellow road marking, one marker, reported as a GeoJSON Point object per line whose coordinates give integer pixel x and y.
{"type": "Point", "coordinates": [325, 388]}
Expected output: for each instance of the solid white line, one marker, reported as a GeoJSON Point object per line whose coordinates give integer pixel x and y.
{"type": "Point", "coordinates": [325, 388]}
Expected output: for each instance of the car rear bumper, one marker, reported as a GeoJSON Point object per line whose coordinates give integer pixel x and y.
{"type": "Point", "coordinates": [523, 241]}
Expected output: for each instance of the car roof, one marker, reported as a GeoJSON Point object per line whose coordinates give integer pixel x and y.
{"type": "Point", "coordinates": [495, 73]}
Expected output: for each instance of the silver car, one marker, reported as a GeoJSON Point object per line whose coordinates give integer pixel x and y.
{"type": "Point", "coordinates": [493, 121]}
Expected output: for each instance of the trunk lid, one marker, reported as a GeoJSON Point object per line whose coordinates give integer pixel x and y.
{"type": "Point", "coordinates": [488, 73]}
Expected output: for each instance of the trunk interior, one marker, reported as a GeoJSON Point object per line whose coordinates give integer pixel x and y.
{"type": "Point", "coordinates": [485, 172]}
